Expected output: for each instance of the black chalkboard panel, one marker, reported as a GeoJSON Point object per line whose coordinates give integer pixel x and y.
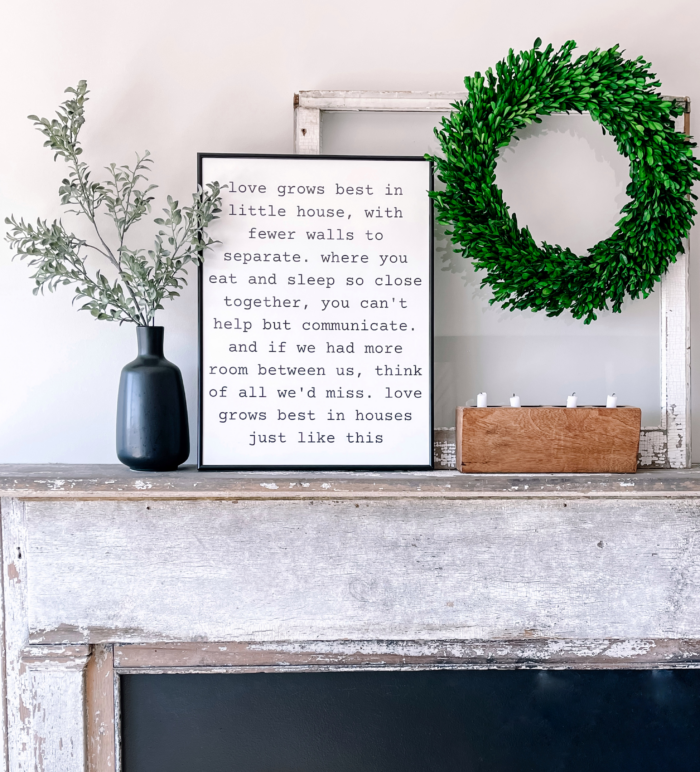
{"type": "Point", "coordinates": [428, 721]}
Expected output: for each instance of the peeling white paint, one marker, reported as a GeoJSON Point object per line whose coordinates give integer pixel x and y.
{"type": "Point", "coordinates": [298, 579]}
{"type": "Point", "coordinates": [379, 573]}
{"type": "Point", "coordinates": [552, 651]}
{"type": "Point", "coordinates": [626, 649]}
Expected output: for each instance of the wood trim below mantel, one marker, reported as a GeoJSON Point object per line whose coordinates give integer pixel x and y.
{"type": "Point", "coordinates": [92, 725]}
{"type": "Point", "coordinates": [583, 654]}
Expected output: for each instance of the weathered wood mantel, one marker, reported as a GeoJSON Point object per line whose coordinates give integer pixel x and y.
{"type": "Point", "coordinates": [107, 571]}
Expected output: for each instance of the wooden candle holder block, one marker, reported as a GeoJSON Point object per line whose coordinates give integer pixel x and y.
{"type": "Point", "coordinates": [548, 439]}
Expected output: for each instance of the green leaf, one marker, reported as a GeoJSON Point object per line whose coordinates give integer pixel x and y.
{"type": "Point", "coordinates": [142, 279]}
{"type": "Point", "coordinates": [618, 94]}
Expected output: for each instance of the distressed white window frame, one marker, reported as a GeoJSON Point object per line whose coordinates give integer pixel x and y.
{"type": "Point", "coordinates": [666, 445]}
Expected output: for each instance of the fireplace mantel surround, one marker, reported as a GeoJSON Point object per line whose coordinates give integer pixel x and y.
{"type": "Point", "coordinates": [107, 571]}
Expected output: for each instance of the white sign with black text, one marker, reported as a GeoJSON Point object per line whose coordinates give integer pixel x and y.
{"type": "Point", "coordinates": [316, 314]}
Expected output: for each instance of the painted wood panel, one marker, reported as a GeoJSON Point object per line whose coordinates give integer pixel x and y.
{"type": "Point", "coordinates": [20, 743]}
{"type": "Point", "coordinates": [44, 685]}
{"type": "Point", "coordinates": [568, 653]}
{"type": "Point", "coordinates": [55, 696]}
{"type": "Point", "coordinates": [314, 570]}
{"type": "Point", "coordinates": [100, 710]}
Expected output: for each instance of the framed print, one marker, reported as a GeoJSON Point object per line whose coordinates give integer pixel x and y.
{"type": "Point", "coordinates": [315, 314]}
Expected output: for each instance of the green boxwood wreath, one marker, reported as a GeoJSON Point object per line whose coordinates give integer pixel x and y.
{"type": "Point", "coordinates": [621, 95]}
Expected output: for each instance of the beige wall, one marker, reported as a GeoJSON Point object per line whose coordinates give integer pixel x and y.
{"type": "Point", "coordinates": [178, 78]}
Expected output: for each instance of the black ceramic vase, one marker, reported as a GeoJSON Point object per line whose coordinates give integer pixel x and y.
{"type": "Point", "coordinates": [152, 428]}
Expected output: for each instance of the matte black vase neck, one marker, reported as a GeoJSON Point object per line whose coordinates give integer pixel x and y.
{"type": "Point", "coordinates": [150, 340]}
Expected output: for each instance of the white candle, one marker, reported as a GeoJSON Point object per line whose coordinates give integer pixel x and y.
{"type": "Point", "coordinates": [571, 400]}
{"type": "Point", "coordinates": [481, 400]}
{"type": "Point", "coordinates": [612, 400]}
{"type": "Point", "coordinates": [515, 401]}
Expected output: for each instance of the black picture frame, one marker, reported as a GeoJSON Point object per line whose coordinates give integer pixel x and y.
{"type": "Point", "coordinates": [200, 332]}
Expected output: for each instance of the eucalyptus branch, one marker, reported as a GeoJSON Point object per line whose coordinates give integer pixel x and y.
{"type": "Point", "coordinates": [56, 254]}
{"type": "Point", "coordinates": [87, 204]}
{"type": "Point", "coordinates": [144, 277]}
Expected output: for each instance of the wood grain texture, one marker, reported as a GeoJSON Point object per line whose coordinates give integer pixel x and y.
{"type": "Point", "coordinates": [548, 439]}
{"type": "Point", "coordinates": [44, 685]}
{"type": "Point", "coordinates": [56, 696]}
{"type": "Point", "coordinates": [115, 482]}
{"type": "Point", "coordinates": [444, 448]}
{"type": "Point", "coordinates": [307, 130]}
{"type": "Point", "coordinates": [586, 654]}
{"type": "Point", "coordinates": [100, 712]}
{"type": "Point", "coordinates": [55, 658]}
{"type": "Point", "coordinates": [57, 722]}
{"type": "Point", "coordinates": [20, 741]}
{"type": "Point", "coordinates": [380, 101]}
{"type": "Point", "coordinates": [3, 654]}
{"type": "Point", "coordinates": [362, 570]}
{"type": "Point", "coordinates": [675, 362]}
{"type": "Point", "coordinates": [396, 101]}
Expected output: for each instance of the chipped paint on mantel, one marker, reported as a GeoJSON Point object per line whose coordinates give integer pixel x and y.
{"type": "Point", "coordinates": [117, 483]}
{"type": "Point", "coordinates": [362, 569]}
{"type": "Point", "coordinates": [412, 655]}
{"type": "Point", "coordinates": [248, 572]}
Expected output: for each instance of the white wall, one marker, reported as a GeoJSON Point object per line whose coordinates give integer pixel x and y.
{"type": "Point", "coordinates": [178, 78]}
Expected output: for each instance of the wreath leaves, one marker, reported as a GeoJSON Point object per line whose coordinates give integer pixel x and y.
{"type": "Point", "coordinates": [620, 94]}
